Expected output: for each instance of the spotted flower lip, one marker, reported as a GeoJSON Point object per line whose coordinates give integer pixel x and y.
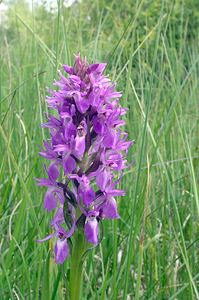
{"type": "Point", "coordinates": [87, 151]}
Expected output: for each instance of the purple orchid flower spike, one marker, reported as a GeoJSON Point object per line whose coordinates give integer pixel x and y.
{"type": "Point", "coordinates": [87, 152]}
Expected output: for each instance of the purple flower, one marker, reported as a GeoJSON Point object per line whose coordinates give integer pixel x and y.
{"type": "Point", "coordinates": [87, 149]}
{"type": "Point", "coordinates": [61, 246]}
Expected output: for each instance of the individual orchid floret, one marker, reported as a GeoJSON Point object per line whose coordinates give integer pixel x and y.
{"type": "Point", "coordinates": [87, 151]}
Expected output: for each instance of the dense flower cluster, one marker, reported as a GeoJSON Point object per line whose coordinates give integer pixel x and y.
{"type": "Point", "coordinates": [87, 151]}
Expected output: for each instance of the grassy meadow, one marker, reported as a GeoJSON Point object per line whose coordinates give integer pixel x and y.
{"type": "Point", "coordinates": [151, 47]}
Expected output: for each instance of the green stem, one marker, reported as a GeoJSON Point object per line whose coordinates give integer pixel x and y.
{"type": "Point", "coordinates": [75, 282]}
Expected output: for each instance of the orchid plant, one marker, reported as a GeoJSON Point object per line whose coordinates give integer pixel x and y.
{"type": "Point", "coordinates": [87, 152]}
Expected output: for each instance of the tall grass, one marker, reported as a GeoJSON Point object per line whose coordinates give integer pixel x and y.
{"type": "Point", "coordinates": [151, 48]}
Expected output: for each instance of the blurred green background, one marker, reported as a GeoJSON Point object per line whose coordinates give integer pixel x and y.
{"type": "Point", "coordinates": [151, 48]}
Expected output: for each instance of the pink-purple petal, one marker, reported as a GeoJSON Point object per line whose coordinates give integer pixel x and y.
{"type": "Point", "coordinates": [91, 230]}
{"type": "Point", "coordinates": [69, 165]}
{"type": "Point", "coordinates": [48, 237]}
{"type": "Point", "coordinates": [110, 209]}
{"type": "Point", "coordinates": [102, 179]}
{"type": "Point", "coordinates": [58, 218]}
{"type": "Point", "coordinates": [53, 172]}
{"type": "Point", "coordinates": [50, 201]}
{"type": "Point", "coordinates": [80, 146]}
{"type": "Point", "coordinates": [61, 251]}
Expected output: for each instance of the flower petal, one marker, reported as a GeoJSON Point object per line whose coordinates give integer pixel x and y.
{"type": "Point", "coordinates": [91, 230]}
{"type": "Point", "coordinates": [61, 147]}
{"type": "Point", "coordinates": [87, 194]}
{"type": "Point", "coordinates": [96, 68]}
{"type": "Point", "coordinates": [58, 218]}
{"type": "Point", "coordinates": [102, 179]}
{"type": "Point", "coordinates": [81, 102]}
{"type": "Point", "coordinates": [61, 251]}
{"type": "Point", "coordinates": [48, 237]}
{"type": "Point", "coordinates": [68, 69]}
{"type": "Point", "coordinates": [53, 172]}
{"type": "Point", "coordinates": [44, 182]}
{"type": "Point", "coordinates": [115, 192]}
{"type": "Point", "coordinates": [99, 125]}
{"type": "Point", "coordinates": [70, 129]}
{"type": "Point", "coordinates": [110, 209]}
{"type": "Point", "coordinates": [69, 165]}
{"type": "Point", "coordinates": [80, 145]}
{"type": "Point", "coordinates": [50, 202]}
{"type": "Point", "coordinates": [109, 139]}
